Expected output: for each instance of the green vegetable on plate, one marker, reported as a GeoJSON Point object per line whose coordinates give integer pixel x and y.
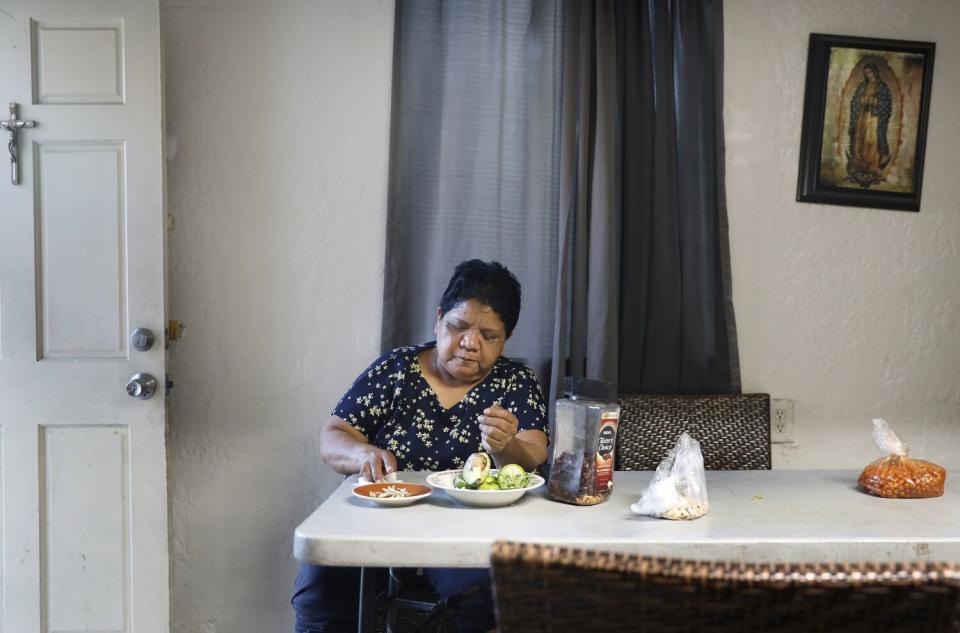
{"type": "Point", "coordinates": [476, 475]}
{"type": "Point", "coordinates": [512, 476]}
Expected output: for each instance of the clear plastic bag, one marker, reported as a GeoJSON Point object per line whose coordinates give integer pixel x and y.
{"type": "Point", "coordinates": [896, 476]}
{"type": "Point", "coordinates": [678, 490]}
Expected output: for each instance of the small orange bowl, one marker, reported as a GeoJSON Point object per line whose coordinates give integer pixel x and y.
{"type": "Point", "coordinates": [371, 492]}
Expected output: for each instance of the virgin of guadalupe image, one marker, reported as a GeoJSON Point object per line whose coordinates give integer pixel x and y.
{"type": "Point", "coordinates": [870, 109]}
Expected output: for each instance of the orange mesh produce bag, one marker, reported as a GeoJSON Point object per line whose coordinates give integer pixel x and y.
{"type": "Point", "coordinates": [896, 476]}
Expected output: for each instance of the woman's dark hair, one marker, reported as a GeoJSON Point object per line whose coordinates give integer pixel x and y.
{"type": "Point", "coordinates": [491, 284]}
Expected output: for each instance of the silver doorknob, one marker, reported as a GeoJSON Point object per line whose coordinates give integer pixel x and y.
{"type": "Point", "coordinates": [142, 386]}
{"type": "Point", "coordinates": [142, 339]}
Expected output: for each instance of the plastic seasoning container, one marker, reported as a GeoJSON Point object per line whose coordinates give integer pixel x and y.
{"type": "Point", "coordinates": [583, 442]}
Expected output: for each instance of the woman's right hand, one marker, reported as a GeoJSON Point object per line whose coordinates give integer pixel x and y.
{"type": "Point", "coordinates": [347, 451]}
{"type": "Point", "coordinates": [375, 463]}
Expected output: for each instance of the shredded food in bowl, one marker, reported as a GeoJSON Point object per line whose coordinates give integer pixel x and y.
{"type": "Point", "coordinates": [390, 492]}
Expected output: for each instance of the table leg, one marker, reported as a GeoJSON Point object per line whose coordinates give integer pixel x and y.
{"type": "Point", "coordinates": [368, 600]}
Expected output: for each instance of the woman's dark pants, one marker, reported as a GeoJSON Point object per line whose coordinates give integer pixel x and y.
{"type": "Point", "coordinates": [326, 599]}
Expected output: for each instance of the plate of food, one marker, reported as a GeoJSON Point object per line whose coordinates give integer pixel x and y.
{"type": "Point", "coordinates": [392, 493]}
{"type": "Point", "coordinates": [478, 484]}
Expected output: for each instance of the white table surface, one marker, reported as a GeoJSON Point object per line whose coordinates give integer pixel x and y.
{"type": "Point", "coordinates": [773, 515]}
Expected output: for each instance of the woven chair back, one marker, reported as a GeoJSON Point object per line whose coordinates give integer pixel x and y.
{"type": "Point", "coordinates": [541, 589]}
{"type": "Point", "coordinates": [733, 430]}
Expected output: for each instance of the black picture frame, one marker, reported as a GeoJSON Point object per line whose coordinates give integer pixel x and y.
{"type": "Point", "coordinates": [865, 112]}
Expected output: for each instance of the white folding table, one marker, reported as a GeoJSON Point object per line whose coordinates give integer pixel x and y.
{"type": "Point", "coordinates": [769, 515]}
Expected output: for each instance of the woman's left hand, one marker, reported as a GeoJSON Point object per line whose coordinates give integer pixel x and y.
{"type": "Point", "coordinates": [497, 428]}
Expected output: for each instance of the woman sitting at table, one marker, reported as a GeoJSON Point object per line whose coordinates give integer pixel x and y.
{"type": "Point", "coordinates": [428, 407]}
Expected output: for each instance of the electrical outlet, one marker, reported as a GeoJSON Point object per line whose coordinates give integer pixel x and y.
{"type": "Point", "coordinates": [781, 421]}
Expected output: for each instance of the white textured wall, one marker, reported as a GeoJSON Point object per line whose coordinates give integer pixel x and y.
{"type": "Point", "coordinates": [854, 313]}
{"type": "Point", "coordinates": [278, 190]}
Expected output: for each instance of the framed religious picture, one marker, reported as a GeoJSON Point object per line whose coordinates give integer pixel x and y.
{"type": "Point", "coordinates": [865, 122]}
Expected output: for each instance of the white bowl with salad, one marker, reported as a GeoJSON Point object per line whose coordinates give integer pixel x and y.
{"type": "Point", "coordinates": [492, 491]}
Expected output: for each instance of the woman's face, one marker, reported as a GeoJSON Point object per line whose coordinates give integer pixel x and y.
{"type": "Point", "coordinates": [868, 73]}
{"type": "Point", "coordinates": [470, 339]}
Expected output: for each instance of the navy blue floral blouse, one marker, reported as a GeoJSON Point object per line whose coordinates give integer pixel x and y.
{"type": "Point", "coordinates": [394, 407]}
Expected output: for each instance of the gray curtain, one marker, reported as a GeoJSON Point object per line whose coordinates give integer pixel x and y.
{"type": "Point", "coordinates": [644, 293]}
{"type": "Point", "coordinates": [474, 168]}
{"type": "Point", "coordinates": [677, 330]}
{"type": "Point", "coordinates": [579, 142]}
{"type": "Point", "coordinates": [588, 277]}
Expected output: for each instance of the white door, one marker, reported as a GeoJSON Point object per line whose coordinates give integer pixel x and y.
{"type": "Point", "coordinates": [83, 494]}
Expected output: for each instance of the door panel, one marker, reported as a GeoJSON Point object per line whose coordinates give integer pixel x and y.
{"type": "Point", "coordinates": [84, 546]}
{"type": "Point", "coordinates": [82, 464]}
{"type": "Point", "coordinates": [78, 62]}
{"type": "Point", "coordinates": [81, 231]}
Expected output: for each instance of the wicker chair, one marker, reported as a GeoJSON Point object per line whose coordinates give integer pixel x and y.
{"type": "Point", "coordinates": [733, 430]}
{"type": "Point", "coordinates": [540, 589]}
